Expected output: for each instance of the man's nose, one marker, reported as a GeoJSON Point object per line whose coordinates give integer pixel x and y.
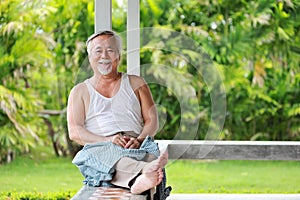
{"type": "Point", "coordinates": [104, 54]}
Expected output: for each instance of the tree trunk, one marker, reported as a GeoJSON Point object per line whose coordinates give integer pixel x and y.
{"type": "Point", "coordinates": [51, 133]}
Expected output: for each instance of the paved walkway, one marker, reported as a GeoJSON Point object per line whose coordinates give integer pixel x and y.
{"type": "Point", "coordinates": [234, 197]}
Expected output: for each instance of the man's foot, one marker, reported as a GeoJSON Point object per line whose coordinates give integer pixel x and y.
{"type": "Point", "coordinates": [147, 181]}
{"type": "Point", "coordinates": [160, 162]}
{"type": "Point", "coordinates": [151, 176]}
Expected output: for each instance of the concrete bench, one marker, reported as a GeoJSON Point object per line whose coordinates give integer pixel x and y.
{"type": "Point", "coordinates": [234, 197]}
{"type": "Point", "coordinates": [111, 193]}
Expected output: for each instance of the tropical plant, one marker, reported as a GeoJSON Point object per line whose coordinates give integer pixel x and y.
{"type": "Point", "coordinates": [257, 50]}
{"type": "Point", "coordinates": [23, 48]}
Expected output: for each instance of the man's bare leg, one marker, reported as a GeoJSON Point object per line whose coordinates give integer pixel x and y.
{"type": "Point", "coordinates": [161, 161]}
{"type": "Point", "coordinates": [151, 176]}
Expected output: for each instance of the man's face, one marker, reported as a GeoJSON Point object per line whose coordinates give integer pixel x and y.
{"type": "Point", "coordinates": [104, 56]}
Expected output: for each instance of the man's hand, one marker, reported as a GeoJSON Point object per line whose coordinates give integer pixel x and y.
{"type": "Point", "coordinates": [125, 141]}
{"type": "Point", "coordinates": [132, 143]}
{"type": "Point", "coordinates": [118, 139]}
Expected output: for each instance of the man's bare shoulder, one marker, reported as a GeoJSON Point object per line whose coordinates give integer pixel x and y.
{"type": "Point", "coordinates": [136, 81]}
{"type": "Point", "coordinates": [79, 90]}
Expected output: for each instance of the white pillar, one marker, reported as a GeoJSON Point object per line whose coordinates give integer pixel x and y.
{"type": "Point", "coordinates": [103, 20]}
{"type": "Point", "coordinates": [133, 37]}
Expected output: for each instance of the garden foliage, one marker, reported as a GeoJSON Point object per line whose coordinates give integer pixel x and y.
{"type": "Point", "coordinates": [254, 45]}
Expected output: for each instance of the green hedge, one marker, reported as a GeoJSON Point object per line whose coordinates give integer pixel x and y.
{"type": "Point", "coordinates": [37, 195]}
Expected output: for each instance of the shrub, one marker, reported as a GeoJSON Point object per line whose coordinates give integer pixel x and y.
{"type": "Point", "coordinates": [66, 195]}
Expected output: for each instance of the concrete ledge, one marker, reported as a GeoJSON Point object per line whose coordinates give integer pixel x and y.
{"type": "Point", "coordinates": [231, 150]}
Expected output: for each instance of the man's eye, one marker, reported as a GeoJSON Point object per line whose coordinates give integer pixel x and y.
{"type": "Point", "coordinates": [110, 50]}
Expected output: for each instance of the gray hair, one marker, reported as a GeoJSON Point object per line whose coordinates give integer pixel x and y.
{"type": "Point", "coordinates": [112, 33]}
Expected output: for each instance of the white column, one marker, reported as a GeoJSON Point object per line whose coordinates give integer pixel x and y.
{"type": "Point", "coordinates": [133, 37]}
{"type": "Point", "coordinates": [103, 18]}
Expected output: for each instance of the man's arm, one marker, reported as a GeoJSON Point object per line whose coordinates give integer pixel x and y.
{"type": "Point", "coordinates": [149, 112]}
{"type": "Point", "coordinates": [76, 117]}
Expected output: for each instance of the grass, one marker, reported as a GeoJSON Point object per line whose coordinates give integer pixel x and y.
{"type": "Point", "coordinates": [41, 171]}
{"type": "Point", "coordinates": [234, 176]}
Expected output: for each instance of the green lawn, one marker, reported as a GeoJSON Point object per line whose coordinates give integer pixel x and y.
{"type": "Point", "coordinates": [234, 176]}
{"type": "Point", "coordinates": [41, 171]}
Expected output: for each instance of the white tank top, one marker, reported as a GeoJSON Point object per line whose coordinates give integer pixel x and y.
{"type": "Point", "coordinates": [122, 112]}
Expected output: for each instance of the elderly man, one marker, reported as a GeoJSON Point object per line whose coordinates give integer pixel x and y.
{"type": "Point", "coordinates": [114, 116]}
